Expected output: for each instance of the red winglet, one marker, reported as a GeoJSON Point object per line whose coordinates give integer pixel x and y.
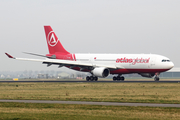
{"type": "Point", "coordinates": [9, 55]}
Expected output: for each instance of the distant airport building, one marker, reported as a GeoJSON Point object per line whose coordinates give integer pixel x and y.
{"type": "Point", "coordinates": [173, 73]}
{"type": "Point", "coordinates": [63, 75]}
{"type": "Point", "coordinates": [43, 75]}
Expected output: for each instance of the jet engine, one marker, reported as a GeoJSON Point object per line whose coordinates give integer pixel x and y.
{"type": "Point", "coordinates": [100, 72]}
{"type": "Point", "coordinates": [149, 75]}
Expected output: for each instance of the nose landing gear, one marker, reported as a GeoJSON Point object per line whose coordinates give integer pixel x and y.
{"type": "Point", "coordinates": [156, 78]}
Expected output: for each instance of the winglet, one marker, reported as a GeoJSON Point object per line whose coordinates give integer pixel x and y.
{"type": "Point", "coordinates": [9, 56]}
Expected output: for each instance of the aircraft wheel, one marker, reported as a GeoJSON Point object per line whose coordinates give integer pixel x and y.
{"type": "Point", "coordinates": [156, 78]}
{"type": "Point", "coordinates": [87, 78]}
{"type": "Point", "coordinates": [118, 78]}
{"type": "Point", "coordinates": [122, 78]}
{"type": "Point", "coordinates": [95, 78]}
{"type": "Point", "coordinates": [91, 78]}
{"type": "Point", "coordinates": [114, 78]}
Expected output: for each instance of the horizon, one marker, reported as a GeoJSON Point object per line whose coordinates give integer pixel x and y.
{"type": "Point", "coordinates": [89, 27]}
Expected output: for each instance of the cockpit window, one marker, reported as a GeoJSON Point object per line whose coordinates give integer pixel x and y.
{"type": "Point", "coordinates": [165, 60]}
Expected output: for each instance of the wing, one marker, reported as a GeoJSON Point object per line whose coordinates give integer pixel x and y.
{"type": "Point", "coordinates": [71, 64]}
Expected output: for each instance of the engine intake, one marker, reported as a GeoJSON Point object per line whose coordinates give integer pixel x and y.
{"type": "Point", "coordinates": [149, 75]}
{"type": "Point", "coordinates": [100, 72]}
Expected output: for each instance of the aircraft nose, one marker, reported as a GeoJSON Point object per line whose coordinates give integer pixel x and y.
{"type": "Point", "coordinates": [171, 65]}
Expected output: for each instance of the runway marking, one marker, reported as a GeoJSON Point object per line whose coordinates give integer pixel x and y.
{"type": "Point", "coordinates": [94, 103]}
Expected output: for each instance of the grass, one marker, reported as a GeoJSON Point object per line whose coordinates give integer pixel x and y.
{"type": "Point", "coordinates": [112, 92]}
{"type": "Point", "coordinates": [35, 111]}
{"type": "Point", "coordinates": [116, 92]}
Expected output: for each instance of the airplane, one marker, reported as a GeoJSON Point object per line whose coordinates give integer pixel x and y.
{"type": "Point", "coordinates": [101, 65]}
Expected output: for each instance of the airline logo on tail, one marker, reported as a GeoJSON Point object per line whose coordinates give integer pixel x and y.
{"type": "Point", "coordinates": [52, 40]}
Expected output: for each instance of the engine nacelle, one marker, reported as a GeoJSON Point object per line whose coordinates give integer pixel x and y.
{"type": "Point", "coordinates": [100, 72]}
{"type": "Point", "coordinates": [149, 75]}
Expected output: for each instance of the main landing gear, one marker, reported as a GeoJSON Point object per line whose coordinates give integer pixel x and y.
{"type": "Point", "coordinates": [119, 77]}
{"type": "Point", "coordinates": [91, 78]}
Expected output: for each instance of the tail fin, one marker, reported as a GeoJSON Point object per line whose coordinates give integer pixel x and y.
{"type": "Point", "coordinates": [53, 42]}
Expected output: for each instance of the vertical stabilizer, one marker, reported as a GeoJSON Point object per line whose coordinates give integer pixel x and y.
{"type": "Point", "coordinates": [54, 45]}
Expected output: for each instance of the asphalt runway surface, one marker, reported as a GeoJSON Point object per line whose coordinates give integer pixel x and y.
{"type": "Point", "coordinates": [100, 81]}
{"type": "Point", "coordinates": [94, 103]}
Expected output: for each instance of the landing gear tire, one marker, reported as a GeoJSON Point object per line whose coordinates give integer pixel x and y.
{"type": "Point", "coordinates": [91, 78]}
{"type": "Point", "coordinates": [96, 78]}
{"type": "Point", "coordinates": [122, 78]}
{"type": "Point", "coordinates": [114, 78]}
{"type": "Point", "coordinates": [87, 78]}
{"type": "Point", "coordinates": [156, 78]}
{"type": "Point", "coordinates": [118, 78]}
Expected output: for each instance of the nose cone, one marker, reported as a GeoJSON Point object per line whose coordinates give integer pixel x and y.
{"type": "Point", "coordinates": [170, 65]}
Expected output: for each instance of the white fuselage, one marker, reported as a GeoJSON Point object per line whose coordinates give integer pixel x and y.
{"type": "Point", "coordinates": [128, 63]}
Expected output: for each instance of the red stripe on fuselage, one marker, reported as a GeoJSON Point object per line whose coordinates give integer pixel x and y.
{"type": "Point", "coordinates": [127, 71]}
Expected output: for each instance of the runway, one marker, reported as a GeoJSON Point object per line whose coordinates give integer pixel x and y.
{"type": "Point", "coordinates": [100, 81]}
{"type": "Point", "coordinates": [94, 103]}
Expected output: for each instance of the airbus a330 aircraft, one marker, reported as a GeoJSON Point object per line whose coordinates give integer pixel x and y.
{"type": "Point", "coordinates": [101, 65]}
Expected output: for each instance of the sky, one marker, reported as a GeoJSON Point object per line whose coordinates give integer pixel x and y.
{"type": "Point", "coordinates": [88, 26]}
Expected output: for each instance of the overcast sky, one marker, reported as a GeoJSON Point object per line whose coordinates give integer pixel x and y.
{"type": "Point", "coordinates": [88, 26]}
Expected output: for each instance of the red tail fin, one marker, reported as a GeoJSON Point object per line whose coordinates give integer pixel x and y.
{"type": "Point", "coordinates": [53, 42]}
